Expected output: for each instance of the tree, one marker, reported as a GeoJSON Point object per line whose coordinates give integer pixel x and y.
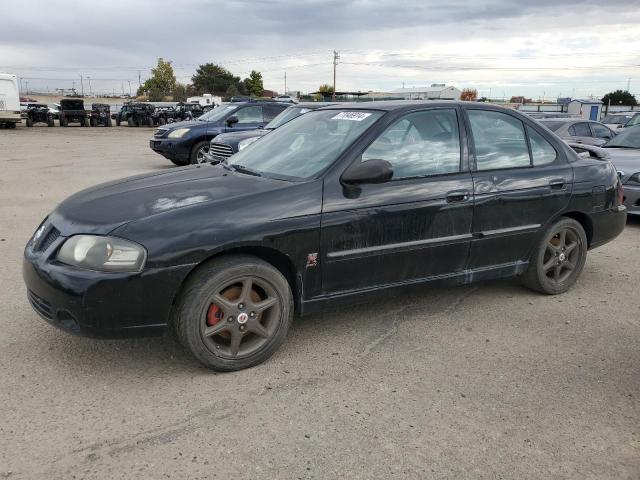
{"type": "Point", "coordinates": [180, 92]}
{"type": "Point", "coordinates": [620, 97]}
{"type": "Point", "coordinates": [469, 95]}
{"type": "Point", "coordinates": [253, 84]}
{"type": "Point", "coordinates": [161, 83]}
{"type": "Point", "coordinates": [211, 78]}
{"type": "Point", "coordinates": [324, 91]}
{"type": "Point", "coordinates": [232, 91]}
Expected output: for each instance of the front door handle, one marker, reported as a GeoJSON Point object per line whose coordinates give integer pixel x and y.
{"type": "Point", "coordinates": [458, 196]}
{"type": "Point", "coordinates": [557, 183]}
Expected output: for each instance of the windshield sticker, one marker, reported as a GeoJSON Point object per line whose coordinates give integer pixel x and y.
{"type": "Point", "coordinates": [353, 116]}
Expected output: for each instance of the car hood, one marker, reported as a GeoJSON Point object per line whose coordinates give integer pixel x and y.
{"type": "Point", "coordinates": [105, 207]}
{"type": "Point", "coordinates": [235, 137]}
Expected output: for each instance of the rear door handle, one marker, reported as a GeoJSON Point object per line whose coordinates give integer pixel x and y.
{"type": "Point", "coordinates": [557, 183]}
{"type": "Point", "coordinates": [458, 196]}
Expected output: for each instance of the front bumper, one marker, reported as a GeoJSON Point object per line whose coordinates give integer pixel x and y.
{"type": "Point", "coordinates": [632, 199]}
{"type": "Point", "coordinates": [98, 304]}
{"type": "Point", "coordinates": [173, 149]}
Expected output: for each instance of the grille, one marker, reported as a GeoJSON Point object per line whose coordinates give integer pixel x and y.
{"type": "Point", "coordinates": [220, 150]}
{"type": "Point", "coordinates": [50, 237]}
{"type": "Point", "coordinates": [40, 305]}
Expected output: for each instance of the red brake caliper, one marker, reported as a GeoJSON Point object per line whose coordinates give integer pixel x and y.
{"type": "Point", "coordinates": [214, 315]}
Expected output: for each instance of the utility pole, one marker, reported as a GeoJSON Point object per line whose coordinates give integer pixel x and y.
{"type": "Point", "coordinates": [336, 57]}
{"type": "Point", "coordinates": [81, 87]}
{"type": "Point", "coordinates": [129, 87]}
{"type": "Point", "coordinates": [89, 78]}
{"type": "Point", "coordinates": [26, 86]}
{"type": "Point", "coordinates": [285, 83]}
{"type": "Point", "coordinates": [139, 84]}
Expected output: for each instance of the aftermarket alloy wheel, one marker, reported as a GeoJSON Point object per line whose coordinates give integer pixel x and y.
{"type": "Point", "coordinates": [234, 312]}
{"type": "Point", "coordinates": [198, 152]}
{"type": "Point", "coordinates": [558, 260]}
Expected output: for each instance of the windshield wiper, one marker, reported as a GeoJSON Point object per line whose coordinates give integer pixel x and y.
{"type": "Point", "coordinates": [243, 169]}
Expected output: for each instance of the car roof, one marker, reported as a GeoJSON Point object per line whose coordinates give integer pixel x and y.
{"type": "Point", "coordinates": [392, 105]}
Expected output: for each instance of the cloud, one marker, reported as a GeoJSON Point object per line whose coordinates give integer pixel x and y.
{"type": "Point", "coordinates": [568, 43]}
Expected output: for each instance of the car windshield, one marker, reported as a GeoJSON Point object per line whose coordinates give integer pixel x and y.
{"type": "Point", "coordinates": [635, 120]}
{"type": "Point", "coordinates": [285, 116]}
{"type": "Point", "coordinates": [551, 125]}
{"type": "Point", "coordinates": [217, 113]}
{"type": "Point", "coordinates": [306, 145]}
{"type": "Point", "coordinates": [628, 139]}
{"type": "Point", "coordinates": [617, 119]}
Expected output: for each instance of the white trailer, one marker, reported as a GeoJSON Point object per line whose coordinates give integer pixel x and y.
{"type": "Point", "coordinates": [206, 100]}
{"type": "Point", "coordinates": [9, 100]}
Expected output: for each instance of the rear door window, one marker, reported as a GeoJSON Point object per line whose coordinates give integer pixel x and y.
{"type": "Point", "coordinates": [542, 151]}
{"type": "Point", "coordinates": [251, 114]}
{"type": "Point", "coordinates": [600, 131]}
{"type": "Point", "coordinates": [499, 140]}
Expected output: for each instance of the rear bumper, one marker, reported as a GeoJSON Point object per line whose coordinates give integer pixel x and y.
{"type": "Point", "coordinates": [632, 199]}
{"type": "Point", "coordinates": [10, 116]}
{"type": "Point", "coordinates": [607, 225]}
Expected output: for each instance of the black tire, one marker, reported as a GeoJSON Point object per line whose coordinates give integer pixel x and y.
{"type": "Point", "coordinates": [132, 122]}
{"type": "Point", "coordinates": [109, 123]}
{"type": "Point", "coordinates": [50, 122]}
{"type": "Point", "coordinates": [193, 313]}
{"type": "Point", "coordinates": [149, 122]}
{"type": "Point", "coordinates": [64, 122]}
{"type": "Point", "coordinates": [162, 121]}
{"type": "Point", "coordinates": [117, 122]}
{"type": "Point", "coordinates": [29, 122]}
{"type": "Point", "coordinates": [180, 163]}
{"type": "Point", "coordinates": [198, 150]}
{"type": "Point", "coordinates": [92, 122]}
{"type": "Point", "coordinates": [558, 259]}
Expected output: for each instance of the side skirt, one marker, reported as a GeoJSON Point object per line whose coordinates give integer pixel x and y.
{"type": "Point", "coordinates": [323, 302]}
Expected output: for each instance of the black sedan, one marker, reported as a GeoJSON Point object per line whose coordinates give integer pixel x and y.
{"type": "Point", "coordinates": [340, 203]}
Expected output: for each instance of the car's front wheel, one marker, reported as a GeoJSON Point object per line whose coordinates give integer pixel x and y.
{"type": "Point", "coordinates": [199, 151]}
{"type": "Point", "coordinates": [557, 261]}
{"type": "Point", "coordinates": [234, 312]}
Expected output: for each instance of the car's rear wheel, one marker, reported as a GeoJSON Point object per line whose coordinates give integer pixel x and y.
{"type": "Point", "coordinates": [234, 312]}
{"type": "Point", "coordinates": [117, 122]}
{"type": "Point", "coordinates": [64, 122]}
{"type": "Point", "coordinates": [29, 122]}
{"type": "Point", "coordinates": [558, 259]}
{"type": "Point", "coordinates": [199, 151]}
{"type": "Point", "coordinates": [132, 122]}
{"type": "Point", "coordinates": [93, 122]}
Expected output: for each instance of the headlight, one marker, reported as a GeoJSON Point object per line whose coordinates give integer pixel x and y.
{"type": "Point", "coordinates": [107, 254]}
{"type": "Point", "coordinates": [246, 141]}
{"type": "Point", "coordinates": [179, 133]}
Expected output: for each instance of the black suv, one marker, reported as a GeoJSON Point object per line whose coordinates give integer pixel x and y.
{"type": "Point", "coordinates": [188, 142]}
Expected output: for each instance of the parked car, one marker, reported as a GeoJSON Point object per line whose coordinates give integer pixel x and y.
{"type": "Point", "coordinates": [38, 113]}
{"type": "Point", "coordinates": [188, 142]}
{"type": "Point", "coordinates": [620, 120]}
{"type": "Point", "coordinates": [624, 152]}
{"type": "Point", "coordinates": [285, 98]}
{"type": "Point", "coordinates": [226, 144]}
{"type": "Point", "coordinates": [340, 203]}
{"type": "Point", "coordinates": [54, 108]}
{"type": "Point", "coordinates": [100, 114]}
{"type": "Point", "coordinates": [72, 111]}
{"type": "Point", "coordinates": [579, 130]}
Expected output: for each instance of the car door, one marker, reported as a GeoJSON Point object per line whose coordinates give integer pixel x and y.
{"type": "Point", "coordinates": [581, 133]}
{"type": "Point", "coordinates": [415, 226]}
{"type": "Point", "coordinates": [249, 117]}
{"type": "Point", "coordinates": [520, 183]}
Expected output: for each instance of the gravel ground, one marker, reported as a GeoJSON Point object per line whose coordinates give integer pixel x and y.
{"type": "Point", "coordinates": [481, 381]}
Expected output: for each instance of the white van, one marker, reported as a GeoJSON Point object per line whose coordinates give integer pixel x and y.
{"type": "Point", "coordinates": [9, 100]}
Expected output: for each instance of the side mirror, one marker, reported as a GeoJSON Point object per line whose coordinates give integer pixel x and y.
{"type": "Point", "coordinates": [232, 120]}
{"type": "Point", "coordinates": [370, 171]}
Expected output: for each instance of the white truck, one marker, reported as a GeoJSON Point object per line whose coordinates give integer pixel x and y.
{"type": "Point", "coordinates": [206, 100]}
{"type": "Point", "coordinates": [9, 101]}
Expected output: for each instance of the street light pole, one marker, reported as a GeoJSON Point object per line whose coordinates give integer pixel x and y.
{"type": "Point", "coordinates": [336, 57]}
{"type": "Point", "coordinates": [81, 87]}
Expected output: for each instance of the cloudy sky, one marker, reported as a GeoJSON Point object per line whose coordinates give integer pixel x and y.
{"type": "Point", "coordinates": [518, 47]}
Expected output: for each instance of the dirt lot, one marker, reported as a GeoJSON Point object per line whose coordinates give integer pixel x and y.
{"type": "Point", "coordinates": [482, 381]}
